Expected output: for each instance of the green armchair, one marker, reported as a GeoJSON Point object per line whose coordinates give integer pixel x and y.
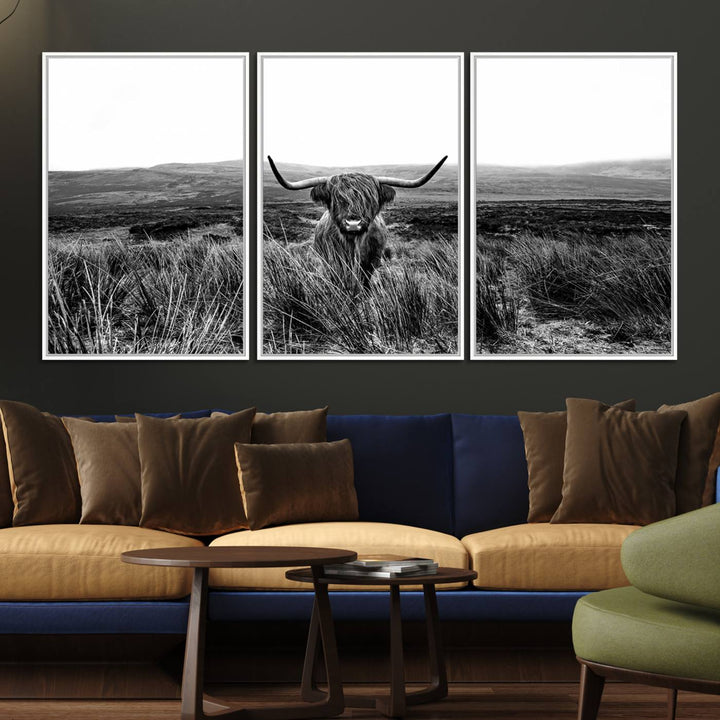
{"type": "Point", "coordinates": [664, 629]}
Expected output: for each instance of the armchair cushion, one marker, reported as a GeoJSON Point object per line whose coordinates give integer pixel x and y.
{"type": "Point", "coordinates": [628, 628]}
{"type": "Point", "coordinates": [677, 558]}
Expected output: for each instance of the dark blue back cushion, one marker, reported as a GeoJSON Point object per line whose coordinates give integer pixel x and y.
{"type": "Point", "coordinates": [189, 414]}
{"type": "Point", "coordinates": [491, 487]}
{"type": "Point", "coordinates": [403, 467]}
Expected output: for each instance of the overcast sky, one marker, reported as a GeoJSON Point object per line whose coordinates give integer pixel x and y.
{"type": "Point", "coordinates": [553, 111]}
{"type": "Point", "coordinates": [349, 111]}
{"type": "Point", "coordinates": [106, 112]}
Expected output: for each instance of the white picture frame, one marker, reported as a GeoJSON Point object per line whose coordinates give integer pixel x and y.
{"type": "Point", "coordinates": [477, 107]}
{"type": "Point", "coordinates": [236, 71]}
{"type": "Point", "coordinates": [458, 59]}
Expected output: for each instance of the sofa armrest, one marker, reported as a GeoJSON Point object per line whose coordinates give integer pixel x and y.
{"type": "Point", "coordinates": [677, 558]}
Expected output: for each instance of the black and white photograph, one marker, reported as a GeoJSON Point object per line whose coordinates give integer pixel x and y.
{"type": "Point", "coordinates": [360, 206]}
{"type": "Point", "coordinates": [144, 200]}
{"type": "Point", "coordinates": [573, 200]}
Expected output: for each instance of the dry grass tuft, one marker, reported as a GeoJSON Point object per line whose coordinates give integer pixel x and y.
{"type": "Point", "coordinates": [411, 306]}
{"type": "Point", "coordinates": [181, 297]}
{"type": "Point", "coordinates": [610, 295]}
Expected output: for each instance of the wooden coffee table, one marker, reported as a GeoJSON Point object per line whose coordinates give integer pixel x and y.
{"type": "Point", "coordinates": [196, 707]}
{"type": "Point", "coordinates": [396, 703]}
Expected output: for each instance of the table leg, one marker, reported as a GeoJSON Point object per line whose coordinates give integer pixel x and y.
{"type": "Point", "coordinates": [397, 657]}
{"type": "Point", "coordinates": [335, 702]}
{"type": "Point", "coordinates": [193, 670]}
{"type": "Point", "coordinates": [309, 687]}
{"type": "Point", "coordinates": [395, 705]}
{"type": "Point", "coordinates": [321, 641]}
{"type": "Point", "coordinates": [438, 687]}
{"type": "Point", "coordinates": [196, 707]}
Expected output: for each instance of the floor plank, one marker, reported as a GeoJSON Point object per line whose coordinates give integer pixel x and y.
{"type": "Point", "coordinates": [480, 701]}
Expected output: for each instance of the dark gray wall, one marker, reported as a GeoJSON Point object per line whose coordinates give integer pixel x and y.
{"type": "Point", "coordinates": [688, 27]}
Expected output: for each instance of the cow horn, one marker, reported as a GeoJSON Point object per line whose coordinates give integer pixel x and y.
{"type": "Point", "coordinates": [299, 184]}
{"type": "Point", "coordinates": [400, 182]}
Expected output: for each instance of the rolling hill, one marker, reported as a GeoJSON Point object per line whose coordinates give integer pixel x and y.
{"type": "Point", "coordinates": [220, 185]}
{"type": "Point", "coordinates": [173, 185]}
{"type": "Point", "coordinates": [618, 180]}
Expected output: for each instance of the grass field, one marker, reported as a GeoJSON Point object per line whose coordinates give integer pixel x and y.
{"type": "Point", "coordinates": [596, 281]}
{"type": "Point", "coordinates": [146, 261]}
{"type": "Point", "coordinates": [411, 306]}
{"type": "Point", "coordinates": [149, 261]}
{"type": "Point", "coordinates": [183, 296]}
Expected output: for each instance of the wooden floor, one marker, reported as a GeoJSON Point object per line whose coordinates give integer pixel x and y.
{"type": "Point", "coordinates": [492, 701]}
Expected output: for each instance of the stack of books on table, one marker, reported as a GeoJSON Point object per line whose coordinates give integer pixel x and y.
{"type": "Point", "coordinates": [384, 568]}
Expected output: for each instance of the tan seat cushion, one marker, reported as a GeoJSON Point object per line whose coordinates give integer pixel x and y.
{"type": "Point", "coordinates": [544, 556]}
{"type": "Point", "coordinates": [365, 538]}
{"type": "Point", "coordinates": [82, 562]}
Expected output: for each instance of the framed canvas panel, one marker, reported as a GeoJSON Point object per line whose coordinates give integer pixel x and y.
{"type": "Point", "coordinates": [144, 206]}
{"type": "Point", "coordinates": [573, 206]}
{"type": "Point", "coordinates": [360, 202]}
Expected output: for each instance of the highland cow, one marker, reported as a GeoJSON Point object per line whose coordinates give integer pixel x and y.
{"type": "Point", "coordinates": [351, 234]}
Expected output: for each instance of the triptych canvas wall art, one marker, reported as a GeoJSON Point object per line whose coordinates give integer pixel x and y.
{"type": "Point", "coordinates": [361, 176]}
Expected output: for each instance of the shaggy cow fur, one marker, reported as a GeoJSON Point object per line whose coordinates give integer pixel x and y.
{"type": "Point", "coordinates": [351, 234]}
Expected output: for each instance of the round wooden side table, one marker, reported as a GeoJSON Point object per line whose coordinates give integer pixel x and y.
{"type": "Point", "coordinates": [194, 706]}
{"type": "Point", "coordinates": [396, 703]}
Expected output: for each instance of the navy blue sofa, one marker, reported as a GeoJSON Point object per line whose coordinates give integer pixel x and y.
{"type": "Point", "coordinates": [457, 474]}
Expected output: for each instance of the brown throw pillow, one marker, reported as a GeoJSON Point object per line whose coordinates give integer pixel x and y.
{"type": "Point", "coordinates": [6, 500]}
{"type": "Point", "coordinates": [188, 474]}
{"type": "Point", "coordinates": [544, 434]}
{"type": "Point", "coordinates": [710, 491]}
{"type": "Point", "coordinates": [697, 439]}
{"type": "Point", "coordinates": [41, 466]}
{"type": "Point", "coordinates": [297, 483]}
{"type": "Point", "coordinates": [298, 426]}
{"type": "Point", "coordinates": [108, 465]}
{"type": "Point", "coordinates": [619, 466]}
